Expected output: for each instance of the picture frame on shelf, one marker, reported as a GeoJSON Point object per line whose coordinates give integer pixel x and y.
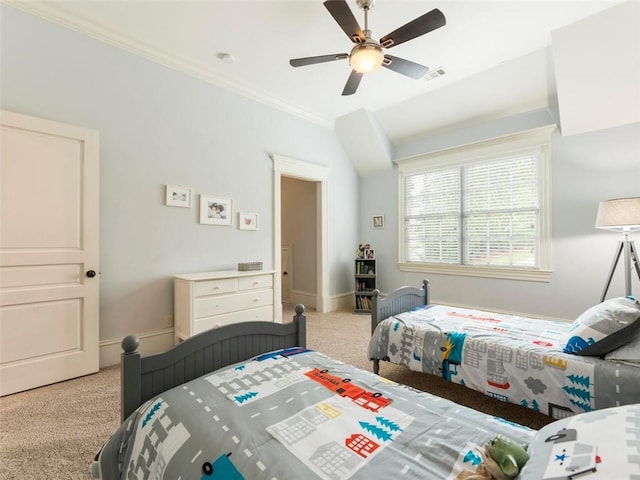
{"type": "Point", "coordinates": [247, 221]}
{"type": "Point", "coordinates": [378, 221]}
{"type": "Point", "coordinates": [216, 210]}
{"type": "Point", "coordinates": [370, 254]}
{"type": "Point", "coordinates": [177, 196]}
{"type": "Point", "coordinates": [361, 249]}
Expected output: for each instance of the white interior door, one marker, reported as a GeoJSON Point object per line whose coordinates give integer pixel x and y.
{"type": "Point", "coordinates": [49, 226]}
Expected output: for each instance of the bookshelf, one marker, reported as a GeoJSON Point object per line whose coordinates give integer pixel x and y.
{"type": "Point", "coordinates": [365, 278]}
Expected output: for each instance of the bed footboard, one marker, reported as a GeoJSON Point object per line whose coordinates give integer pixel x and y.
{"type": "Point", "coordinates": [401, 300]}
{"type": "Point", "coordinates": [143, 378]}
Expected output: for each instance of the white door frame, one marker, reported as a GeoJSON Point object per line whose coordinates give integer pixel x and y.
{"type": "Point", "coordinates": [290, 167]}
{"type": "Point", "coordinates": [286, 257]}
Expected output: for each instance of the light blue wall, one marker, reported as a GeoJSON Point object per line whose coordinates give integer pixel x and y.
{"type": "Point", "coordinates": [157, 127]}
{"type": "Point", "coordinates": [585, 169]}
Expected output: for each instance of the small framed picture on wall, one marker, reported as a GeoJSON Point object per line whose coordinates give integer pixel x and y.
{"type": "Point", "coordinates": [378, 221]}
{"type": "Point", "coordinates": [177, 196]}
{"type": "Point", "coordinates": [247, 221]}
{"type": "Point", "coordinates": [215, 210]}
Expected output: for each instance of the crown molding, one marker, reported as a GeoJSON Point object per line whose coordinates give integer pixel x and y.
{"type": "Point", "coordinates": [50, 12]}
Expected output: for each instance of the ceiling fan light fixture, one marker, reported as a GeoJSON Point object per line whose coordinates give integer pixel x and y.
{"type": "Point", "coordinates": [366, 57]}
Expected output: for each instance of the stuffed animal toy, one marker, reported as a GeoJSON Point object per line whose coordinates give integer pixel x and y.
{"type": "Point", "coordinates": [488, 469]}
{"type": "Point", "coordinates": [509, 456]}
{"type": "Point", "coordinates": [502, 459]}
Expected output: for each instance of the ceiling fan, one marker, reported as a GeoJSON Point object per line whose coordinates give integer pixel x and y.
{"type": "Point", "coordinates": [367, 55]}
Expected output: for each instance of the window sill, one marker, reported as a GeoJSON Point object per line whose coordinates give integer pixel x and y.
{"type": "Point", "coordinates": [530, 275]}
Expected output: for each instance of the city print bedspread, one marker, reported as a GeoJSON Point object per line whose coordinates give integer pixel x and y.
{"type": "Point", "coordinates": [512, 358]}
{"type": "Point", "coordinates": [297, 414]}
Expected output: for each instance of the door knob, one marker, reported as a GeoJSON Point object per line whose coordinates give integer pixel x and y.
{"type": "Point", "coordinates": [91, 273]}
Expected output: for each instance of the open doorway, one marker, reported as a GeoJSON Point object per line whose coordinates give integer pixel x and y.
{"type": "Point", "coordinates": [298, 234]}
{"type": "Point", "coordinates": [301, 180]}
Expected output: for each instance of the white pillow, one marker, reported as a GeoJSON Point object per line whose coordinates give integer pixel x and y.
{"type": "Point", "coordinates": [604, 327]}
{"type": "Point", "coordinates": [590, 445]}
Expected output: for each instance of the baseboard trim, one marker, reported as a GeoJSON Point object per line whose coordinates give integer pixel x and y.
{"type": "Point", "coordinates": [306, 299]}
{"type": "Point", "coordinates": [161, 340]}
{"type": "Point", "coordinates": [150, 343]}
{"type": "Point", "coordinates": [341, 302]}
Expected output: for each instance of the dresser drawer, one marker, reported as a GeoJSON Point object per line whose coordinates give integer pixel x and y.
{"type": "Point", "coordinates": [215, 287]}
{"type": "Point", "coordinates": [253, 282]}
{"type": "Point", "coordinates": [214, 305]}
{"type": "Point", "coordinates": [261, 313]}
{"type": "Point", "coordinates": [213, 299]}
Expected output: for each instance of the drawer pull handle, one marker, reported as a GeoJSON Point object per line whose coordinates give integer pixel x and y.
{"type": "Point", "coordinates": [256, 299]}
{"type": "Point", "coordinates": [217, 287]}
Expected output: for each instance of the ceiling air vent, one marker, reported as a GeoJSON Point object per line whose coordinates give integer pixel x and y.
{"type": "Point", "coordinates": [434, 73]}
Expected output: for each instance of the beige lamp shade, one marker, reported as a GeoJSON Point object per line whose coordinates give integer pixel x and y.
{"type": "Point", "coordinates": [620, 214]}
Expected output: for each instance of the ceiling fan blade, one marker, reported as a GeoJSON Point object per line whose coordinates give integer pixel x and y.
{"type": "Point", "coordinates": [342, 14]}
{"type": "Point", "coordinates": [301, 62]}
{"type": "Point", "coordinates": [419, 26]}
{"type": "Point", "coordinates": [405, 67]}
{"type": "Point", "coordinates": [352, 83]}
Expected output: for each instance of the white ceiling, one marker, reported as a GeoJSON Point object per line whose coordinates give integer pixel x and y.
{"type": "Point", "coordinates": [497, 47]}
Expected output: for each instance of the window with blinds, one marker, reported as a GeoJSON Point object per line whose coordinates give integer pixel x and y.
{"type": "Point", "coordinates": [432, 216]}
{"type": "Point", "coordinates": [485, 210]}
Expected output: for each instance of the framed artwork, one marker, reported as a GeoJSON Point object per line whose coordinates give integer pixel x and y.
{"type": "Point", "coordinates": [378, 221]}
{"type": "Point", "coordinates": [370, 254]}
{"type": "Point", "coordinates": [178, 196]}
{"type": "Point", "coordinates": [362, 248]}
{"type": "Point", "coordinates": [215, 210]}
{"type": "Point", "coordinates": [247, 221]}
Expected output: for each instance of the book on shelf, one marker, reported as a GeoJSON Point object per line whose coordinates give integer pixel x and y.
{"type": "Point", "coordinates": [363, 303]}
{"type": "Point", "coordinates": [363, 268]}
{"type": "Point", "coordinates": [364, 287]}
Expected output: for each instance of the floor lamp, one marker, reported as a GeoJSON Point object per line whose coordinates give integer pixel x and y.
{"type": "Point", "coordinates": [621, 215]}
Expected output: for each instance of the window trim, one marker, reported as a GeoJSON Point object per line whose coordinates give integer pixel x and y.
{"type": "Point", "coordinates": [475, 153]}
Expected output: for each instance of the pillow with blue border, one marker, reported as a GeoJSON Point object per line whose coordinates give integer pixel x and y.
{"type": "Point", "coordinates": [604, 327]}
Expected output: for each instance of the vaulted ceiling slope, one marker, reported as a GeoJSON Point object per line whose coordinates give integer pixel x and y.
{"type": "Point", "coordinates": [495, 55]}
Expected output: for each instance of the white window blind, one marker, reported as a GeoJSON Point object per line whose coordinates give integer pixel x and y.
{"type": "Point", "coordinates": [500, 212]}
{"type": "Point", "coordinates": [432, 219]}
{"type": "Point", "coordinates": [485, 210]}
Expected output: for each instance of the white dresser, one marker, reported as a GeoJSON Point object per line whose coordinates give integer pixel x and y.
{"type": "Point", "coordinates": [212, 299]}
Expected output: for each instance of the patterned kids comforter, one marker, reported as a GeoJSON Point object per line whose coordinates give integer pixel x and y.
{"type": "Point", "coordinates": [515, 359]}
{"type": "Point", "coordinates": [297, 414]}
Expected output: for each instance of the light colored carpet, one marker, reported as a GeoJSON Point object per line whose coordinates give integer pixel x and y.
{"type": "Point", "coordinates": [55, 431]}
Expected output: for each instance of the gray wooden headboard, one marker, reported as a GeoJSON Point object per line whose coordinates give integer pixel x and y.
{"type": "Point", "coordinates": [145, 377]}
{"type": "Point", "coordinates": [401, 300]}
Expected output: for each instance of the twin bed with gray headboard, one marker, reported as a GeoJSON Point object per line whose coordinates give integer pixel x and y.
{"type": "Point", "coordinates": [144, 378]}
{"type": "Point", "coordinates": [249, 401]}
{"type": "Point", "coordinates": [557, 368]}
